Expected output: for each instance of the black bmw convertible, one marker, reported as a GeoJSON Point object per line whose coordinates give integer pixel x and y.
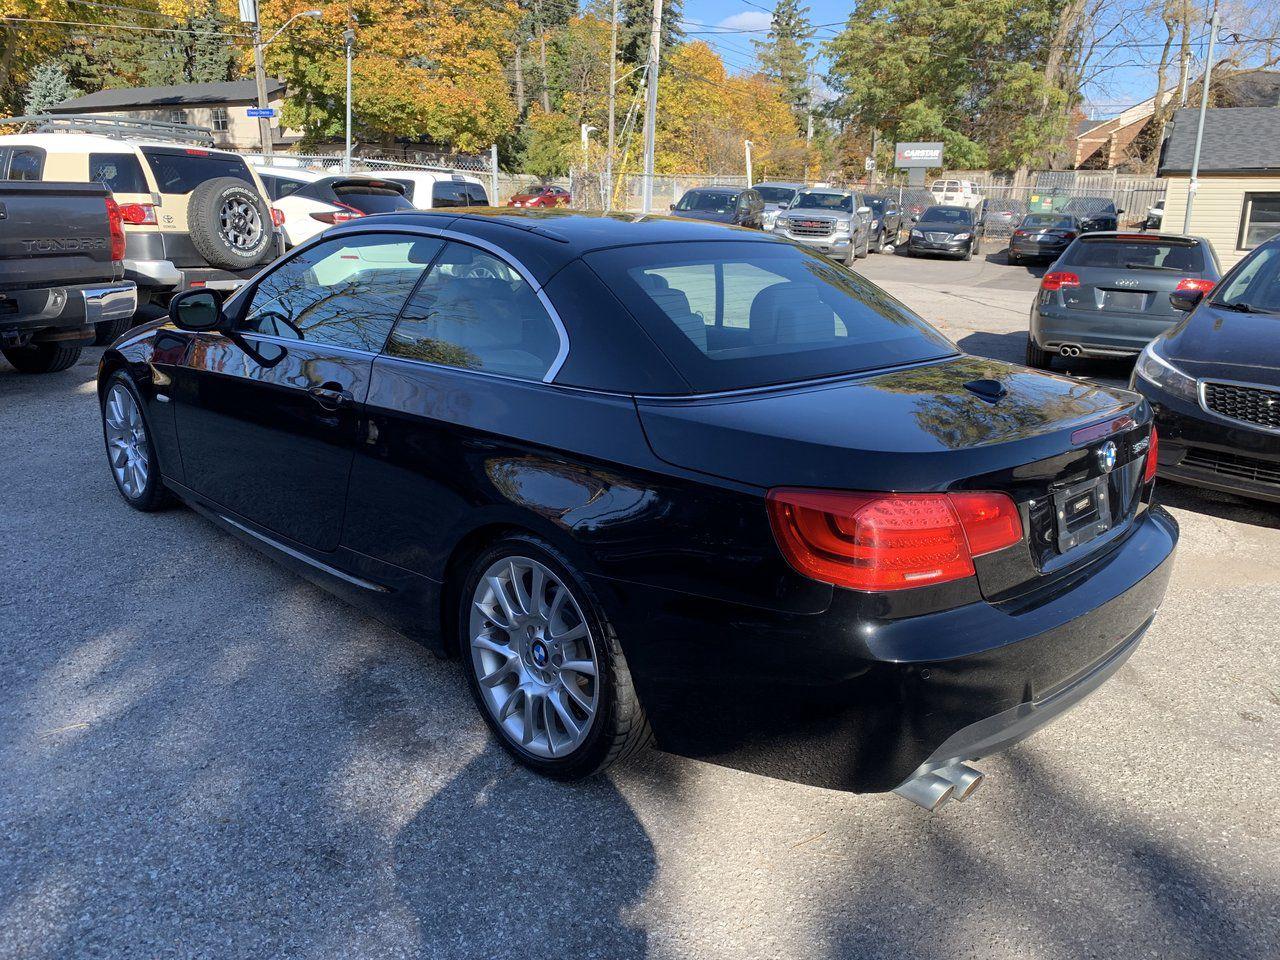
{"type": "Point", "coordinates": [660, 481]}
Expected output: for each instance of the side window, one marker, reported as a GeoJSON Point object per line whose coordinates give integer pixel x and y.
{"type": "Point", "coordinates": [476, 195]}
{"type": "Point", "coordinates": [26, 163]}
{"type": "Point", "coordinates": [475, 312]}
{"type": "Point", "coordinates": [342, 293]}
{"type": "Point", "coordinates": [5, 154]}
{"type": "Point", "coordinates": [118, 172]}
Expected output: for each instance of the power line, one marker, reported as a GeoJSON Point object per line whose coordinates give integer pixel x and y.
{"type": "Point", "coordinates": [124, 26]}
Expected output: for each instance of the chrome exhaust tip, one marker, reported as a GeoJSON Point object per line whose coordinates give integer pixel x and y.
{"type": "Point", "coordinates": [927, 790]}
{"type": "Point", "coordinates": [964, 778]}
{"type": "Point", "coordinates": [1069, 350]}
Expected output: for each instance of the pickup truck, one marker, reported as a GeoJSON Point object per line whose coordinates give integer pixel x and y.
{"type": "Point", "coordinates": [61, 272]}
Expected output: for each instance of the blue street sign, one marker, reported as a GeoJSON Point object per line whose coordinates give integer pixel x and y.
{"type": "Point", "coordinates": [262, 111]}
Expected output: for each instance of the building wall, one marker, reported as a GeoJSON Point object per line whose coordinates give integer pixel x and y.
{"type": "Point", "coordinates": [1218, 208]}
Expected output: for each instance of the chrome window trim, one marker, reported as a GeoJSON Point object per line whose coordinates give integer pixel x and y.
{"type": "Point", "coordinates": [1204, 405]}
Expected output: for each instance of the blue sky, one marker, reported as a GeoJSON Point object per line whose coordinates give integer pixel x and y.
{"type": "Point", "coordinates": [730, 25]}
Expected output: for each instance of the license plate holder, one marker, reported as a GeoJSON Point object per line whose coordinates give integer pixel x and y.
{"type": "Point", "coordinates": [1129, 300]}
{"type": "Point", "coordinates": [1082, 512]}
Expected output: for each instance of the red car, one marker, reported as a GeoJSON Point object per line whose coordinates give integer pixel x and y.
{"type": "Point", "coordinates": [541, 195]}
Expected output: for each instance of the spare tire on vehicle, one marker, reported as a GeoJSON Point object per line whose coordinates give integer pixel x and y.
{"type": "Point", "coordinates": [230, 223]}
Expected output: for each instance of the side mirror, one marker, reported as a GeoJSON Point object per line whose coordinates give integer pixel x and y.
{"type": "Point", "coordinates": [671, 206]}
{"type": "Point", "coordinates": [1186, 300]}
{"type": "Point", "coordinates": [196, 310]}
{"type": "Point", "coordinates": [1119, 210]}
{"type": "Point", "coordinates": [864, 210]}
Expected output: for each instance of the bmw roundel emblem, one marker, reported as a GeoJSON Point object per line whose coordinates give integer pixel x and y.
{"type": "Point", "coordinates": [1107, 456]}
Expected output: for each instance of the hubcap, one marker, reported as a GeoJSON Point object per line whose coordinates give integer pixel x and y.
{"type": "Point", "coordinates": [126, 442]}
{"type": "Point", "coordinates": [534, 657]}
{"type": "Point", "coordinates": [240, 224]}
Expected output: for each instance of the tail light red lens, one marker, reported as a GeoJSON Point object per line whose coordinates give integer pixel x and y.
{"type": "Point", "coordinates": [138, 214]}
{"type": "Point", "coordinates": [1153, 454]}
{"type": "Point", "coordinates": [889, 541]}
{"type": "Point", "coordinates": [1193, 283]}
{"type": "Point", "coordinates": [344, 215]}
{"type": "Point", "coordinates": [1019, 233]}
{"type": "Point", "coordinates": [1057, 279]}
{"type": "Point", "coordinates": [115, 229]}
{"type": "Point", "coordinates": [277, 217]}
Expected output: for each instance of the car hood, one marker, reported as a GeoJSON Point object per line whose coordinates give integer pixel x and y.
{"type": "Point", "coordinates": [703, 215]}
{"type": "Point", "coordinates": [918, 428]}
{"type": "Point", "coordinates": [1223, 343]}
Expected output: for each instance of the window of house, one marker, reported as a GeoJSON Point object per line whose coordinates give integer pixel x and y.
{"type": "Point", "coordinates": [221, 121]}
{"type": "Point", "coordinates": [1260, 220]}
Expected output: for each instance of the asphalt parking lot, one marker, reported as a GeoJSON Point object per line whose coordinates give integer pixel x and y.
{"type": "Point", "coordinates": [204, 756]}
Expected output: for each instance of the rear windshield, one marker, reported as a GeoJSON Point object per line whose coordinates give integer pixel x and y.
{"type": "Point", "coordinates": [1047, 221]}
{"type": "Point", "coordinates": [823, 201]}
{"type": "Point", "coordinates": [776, 194]}
{"type": "Point", "coordinates": [1135, 254]}
{"type": "Point", "coordinates": [733, 315]}
{"type": "Point", "coordinates": [370, 199]}
{"type": "Point", "coordinates": [709, 201]}
{"type": "Point", "coordinates": [458, 193]}
{"type": "Point", "coordinates": [118, 172]}
{"type": "Point", "coordinates": [181, 171]}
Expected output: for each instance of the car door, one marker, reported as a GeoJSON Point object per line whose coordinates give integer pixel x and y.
{"type": "Point", "coordinates": [268, 415]}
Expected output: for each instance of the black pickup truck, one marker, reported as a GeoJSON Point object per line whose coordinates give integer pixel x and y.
{"type": "Point", "coordinates": [61, 273]}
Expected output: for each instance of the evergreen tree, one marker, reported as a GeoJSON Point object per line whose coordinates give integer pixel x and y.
{"type": "Point", "coordinates": [48, 88]}
{"type": "Point", "coordinates": [635, 21]}
{"type": "Point", "coordinates": [784, 53]}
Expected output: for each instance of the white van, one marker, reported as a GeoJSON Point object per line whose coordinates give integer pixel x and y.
{"type": "Point", "coordinates": [955, 193]}
{"type": "Point", "coordinates": [432, 189]}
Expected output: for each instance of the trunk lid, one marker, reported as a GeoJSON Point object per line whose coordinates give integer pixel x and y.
{"type": "Point", "coordinates": [928, 428]}
{"type": "Point", "coordinates": [1121, 290]}
{"type": "Point", "coordinates": [53, 234]}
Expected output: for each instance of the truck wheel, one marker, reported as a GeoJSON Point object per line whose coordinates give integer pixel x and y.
{"type": "Point", "coordinates": [230, 223]}
{"type": "Point", "coordinates": [107, 331]}
{"type": "Point", "coordinates": [866, 247]}
{"type": "Point", "coordinates": [1040, 359]}
{"type": "Point", "coordinates": [41, 357]}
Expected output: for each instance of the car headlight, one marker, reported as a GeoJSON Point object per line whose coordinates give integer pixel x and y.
{"type": "Point", "coordinates": [917, 233]}
{"type": "Point", "coordinates": [782, 223]}
{"type": "Point", "coordinates": [875, 224]}
{"type": "Point", "coordinates": [843, 226]}
{"type": "Point", "coordinates": [1159, 372]}
{"type": "Point", "coordinates": [961, 236]}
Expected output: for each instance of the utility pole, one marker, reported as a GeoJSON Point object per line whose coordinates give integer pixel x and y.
{"type": "Point", "coordinates": [808, 137]}
{"type": "Point", "coordinates": [260, 81]}
{"type": "Point", "coordinates": [613, 93]}
{"type": "Point", "coordinates": [1204, 105]}
{"type": "Point", "coordinates": [349, 40]}
{"type": "Point", "coordinates": [520, 76]}
{"type": "Point", "coordinates": [651, 107]}
{"type": "Point", "coordinates": [493, 175]}
{"type": "Point", "coordinates": [746, 144]}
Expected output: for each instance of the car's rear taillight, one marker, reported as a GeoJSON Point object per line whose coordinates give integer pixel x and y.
{"type": "Point", "coordinates": [1194, 283]}
{"type": "Point", "coordinates": [889, 541]}
{"type": "Point", "coordinates": [138, 214]}
{"type": "Point", "coordinates": [115, 229]}
{"type": "Point", "coordinates": [1019, 233]}
{"type": "Point", "coordinates": [1153, 453]}
{"type": "Point", "coordinates": [1057, 279]}
{"type": "Point", "coordinates": [338, 216]}
{"type": "Point", "coordinates": [277, 217]}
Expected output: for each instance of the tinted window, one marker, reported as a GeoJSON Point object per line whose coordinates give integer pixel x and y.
{"type": "Point", "coordinates": [280, 187]}
{"type": "Point", "coordinates": [709, 201]}
{"type": "Point", "coordinates": [370, 199]}
{"type": "Point", "coordinates": [118, 172]}
{"type": "Point", "coordinates": [733, 315]}
{"type": "Point", "coordinates": [776, 194]}
{"type": "Point", "coordinates": [476, 194]}
{"type": "Point", "coordinates": [947, 215]}
{"type": "Point", "coordinates": [181, 171]}
{"type": "Point", "coordinates": [455, 193]}
{"type": "Point", "coordinates": [475, 312]}
{"type": "Point", "coordinates": [1256, 283]}
{"type": "Point", "coordinates": [1135, 254]}
{"type": "Point", "coordinates": [407, 184]}
{"type": "Point", "coordinates": [823, 201]}
{"type": "Point", "coordinates": [25, 163]}
{"type": "Point", "coordinates": [345, 292]}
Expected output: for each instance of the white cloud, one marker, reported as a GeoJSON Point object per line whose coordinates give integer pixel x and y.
{"type": "Point", "coordinates": [747, 20]}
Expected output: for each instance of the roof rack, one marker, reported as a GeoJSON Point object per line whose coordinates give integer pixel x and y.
{"type": "Point", "coordinates": [120, 127]}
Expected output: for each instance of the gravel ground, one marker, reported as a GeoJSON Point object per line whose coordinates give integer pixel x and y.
{"type": "Point", "coordinates": [203, 756]}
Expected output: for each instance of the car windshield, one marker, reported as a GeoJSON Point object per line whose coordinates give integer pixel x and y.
{"type": "Point", "coordinates": [951, 215]}
{"type": "Point", "coordinates": [182, 170]}
{"type": "Point", "coordinates": [776, 194]}
{"type": "Point", "coordinates": [709, 201]}
{"type": "Point", "coordinates": [1256, 284]}
{"type": "Point", "coordinates": [1046, 221]}
{"type": "Point", "coordinates": [824, 201]}
{"type": "Point", "coordinates": [1136, 253]}
{"type": "Point", "coordinates": [733, 315]}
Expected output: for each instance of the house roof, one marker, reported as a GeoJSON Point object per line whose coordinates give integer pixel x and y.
{"type": "Point", "coordinates": [178, 95]}
{"type": "Point", "coordinates": [1236, 139]}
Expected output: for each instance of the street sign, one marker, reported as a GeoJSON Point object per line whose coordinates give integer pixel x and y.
{"type": "Point", "coordinates": [908, 156]}
{"type": "Point", "coordinates": [262, 112]}
{"type": "Point", "coordinates": [869, 164]}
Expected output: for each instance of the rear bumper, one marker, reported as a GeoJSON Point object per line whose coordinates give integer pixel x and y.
{"type": "Point", "coordinates": [65, 313]}
{"type": "Point", "coordinates": [846, 701]}
{"type": "Point", "coordinates": [1097, 334]}
{"type": "Point", "coordinates": [1029, 248]}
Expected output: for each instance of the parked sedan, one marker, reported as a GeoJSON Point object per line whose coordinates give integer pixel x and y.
{"type": "Point", "coordinates": [732, 205]}
{"type": "Point", "coordinates": [830, 221]}
{"type": "Point", "coordinates": [1214, 382]}
{"type": "Point", "coordinates": [946, 231]}
{"type": "Point", "coordinates": [541, 195]}
{"type": "Point", "coordinates": [1108, 294]}
{"type": "Point", "coordinates": [599, 511]}
{"type": "Point", "coordinates": [1094, 213]}
{"type": "Point", "coordinates": [1042, 236]}
{"type": "Point", "coordinates": [1002, 214]}
{"type": "Point", "coordinates": [315, 206]}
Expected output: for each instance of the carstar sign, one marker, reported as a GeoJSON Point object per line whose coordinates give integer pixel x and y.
{"type": "Point", "coordinates": [917, 155]}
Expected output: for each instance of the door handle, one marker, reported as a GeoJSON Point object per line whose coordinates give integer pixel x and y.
{"type": "Point", "coordinates": [331, 396]}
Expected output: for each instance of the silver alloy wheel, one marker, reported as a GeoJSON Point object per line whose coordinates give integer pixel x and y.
{"type": "Point", "coordinates": [127, 448]}
{"type": "Point", "coordinates": [534, 657]}
{"type": "Point", "coordinates": [240, 224]}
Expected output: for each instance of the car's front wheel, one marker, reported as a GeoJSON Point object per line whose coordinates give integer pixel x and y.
{"type": "Point", "coordinates": [131, 453]}
{"type": "Point", "coordinates": [544, 662]}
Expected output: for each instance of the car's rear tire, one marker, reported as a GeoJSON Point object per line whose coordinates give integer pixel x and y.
{"type": "Point", "coordinates": [131, 452]}
{"type": "Point", "coordinates": [230, 223]}
{"type": "Point", "coordinates": [107, 331]}
{"type": "Point", "coordinates": [1040, 359]}
{"type": "Point", "coordinates": [1014, 259]}
{"type": "Point", "coordinates": [525, 615]}
{"type": "Point", "coordinates": [41, 357]}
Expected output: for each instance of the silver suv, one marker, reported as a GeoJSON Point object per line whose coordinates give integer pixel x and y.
{"type": "Point", "coordinates": [834, 222]}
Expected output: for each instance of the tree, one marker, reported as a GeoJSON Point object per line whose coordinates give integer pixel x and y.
{"type": "Point", "coordinates": [784, 53]}
{"type": "Point", "coordinates": [48, 88]}
{"type": "Point", "coordinates": [635, 23]}
{"type": "Point", "coordinates": [549, 142]}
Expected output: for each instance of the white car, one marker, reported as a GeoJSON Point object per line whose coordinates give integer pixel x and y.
{"type": "Point", "coordinates": [955, 193]}
{"type": "Point", "coordinates": [432, 189]}
{"type": "Point", "coordinates": [311, 202]}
